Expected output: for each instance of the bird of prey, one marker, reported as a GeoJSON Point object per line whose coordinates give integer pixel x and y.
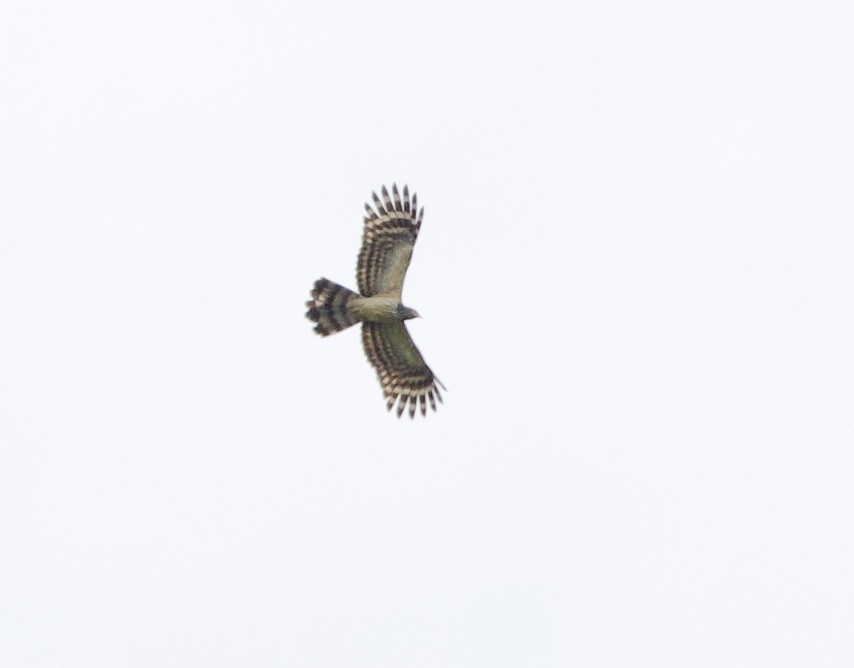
{"type": "Point", "coordinates": [389, 236]}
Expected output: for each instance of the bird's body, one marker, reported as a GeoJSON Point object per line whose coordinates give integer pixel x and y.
{"type": "Point", "coordinates": [379, 308]}
{"type": "Point", "coordinates": [387, 242]}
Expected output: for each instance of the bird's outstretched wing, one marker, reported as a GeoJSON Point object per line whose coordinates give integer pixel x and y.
{"type": "Point", "coordinates": [400, 368]}
{"type": "Point", "coordinates": [387, 242]}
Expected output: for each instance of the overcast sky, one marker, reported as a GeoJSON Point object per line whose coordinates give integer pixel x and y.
{"type": "Point", "coordinates": [635, 276]}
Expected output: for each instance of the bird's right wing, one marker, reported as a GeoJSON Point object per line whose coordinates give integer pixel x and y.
{"type": "Point", "coordinates": [390, 233]}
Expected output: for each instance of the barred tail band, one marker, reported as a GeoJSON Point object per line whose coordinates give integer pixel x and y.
{"type": "Point", "coordinates": [329, 307]}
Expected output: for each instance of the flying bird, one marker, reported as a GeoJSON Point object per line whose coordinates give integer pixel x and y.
{"type": "Point", "coordinates": [391, 228]}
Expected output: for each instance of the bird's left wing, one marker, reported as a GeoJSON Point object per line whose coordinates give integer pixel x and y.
{"type": "Point", "coordinates": [401, 370]}
{"type": "Point", "coordinates": [389, 235]}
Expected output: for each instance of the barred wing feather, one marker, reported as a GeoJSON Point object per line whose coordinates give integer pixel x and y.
{"type": "Point", "coordinates": [391, 228]}
{"type": "Point", "coordinates": [401, 370]}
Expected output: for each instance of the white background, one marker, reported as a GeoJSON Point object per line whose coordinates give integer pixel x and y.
{"type": "Point", "coordinates": [635, 280]}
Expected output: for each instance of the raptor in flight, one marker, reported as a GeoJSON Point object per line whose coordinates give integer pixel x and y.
{"type": "Point", "coordinates": [389, 236]}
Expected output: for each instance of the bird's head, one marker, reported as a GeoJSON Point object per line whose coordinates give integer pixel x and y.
{"type": "Point", "coordinates": [407, 313]}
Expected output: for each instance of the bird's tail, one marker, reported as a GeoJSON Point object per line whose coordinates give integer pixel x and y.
{"type": "Point", "coordinates": [329, 307]}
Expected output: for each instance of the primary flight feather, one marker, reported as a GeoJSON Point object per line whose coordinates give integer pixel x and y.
{"type": "Point", "coordinates": [391, 228]}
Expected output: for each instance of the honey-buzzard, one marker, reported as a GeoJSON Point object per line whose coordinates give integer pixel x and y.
{"type": "Point", "coordinates": [389, 236]}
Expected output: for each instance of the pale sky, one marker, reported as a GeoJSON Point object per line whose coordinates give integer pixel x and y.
{"type": "Point", "coordinates": [635, 276]}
